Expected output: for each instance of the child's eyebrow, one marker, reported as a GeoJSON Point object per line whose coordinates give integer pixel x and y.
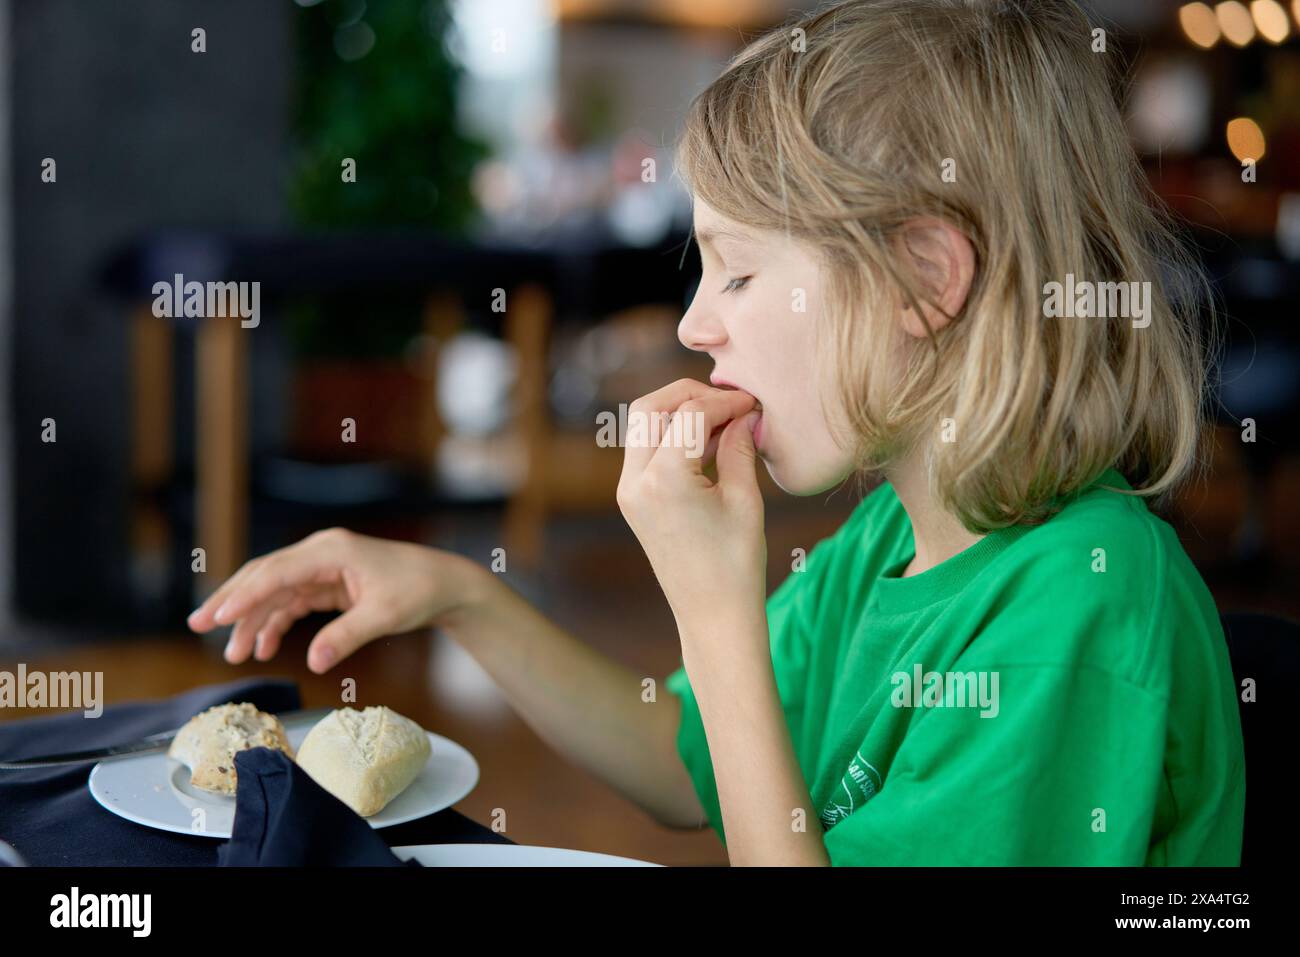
{"type": "Point", "coordinates": [709, 235]}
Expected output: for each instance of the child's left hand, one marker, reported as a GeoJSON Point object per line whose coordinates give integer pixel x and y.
{"type": "Point", "coordinates": [704, 538]}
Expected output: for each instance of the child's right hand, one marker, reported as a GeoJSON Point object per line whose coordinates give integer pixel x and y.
{"type": "Point", "coordinates": [382, 587]}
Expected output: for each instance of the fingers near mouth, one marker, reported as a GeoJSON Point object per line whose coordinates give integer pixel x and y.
{"type": "Point", "coordinates": [758, 405]}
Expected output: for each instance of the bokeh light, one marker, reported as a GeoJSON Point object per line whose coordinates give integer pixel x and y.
{"type": "Point", "coordinates": [1270, 20]}
{"type": "Point", "coordinates": [1235, 22]}
{"type": "Point", "coordinates": [1200, 24]}
{"type": "Point", "coordinates": [1245, 139]}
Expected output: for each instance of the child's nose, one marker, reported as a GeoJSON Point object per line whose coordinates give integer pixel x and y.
{"type": "Point", "coordinates": [699, 330]}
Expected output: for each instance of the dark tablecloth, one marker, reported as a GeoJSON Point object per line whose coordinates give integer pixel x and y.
{"type": "Point", "coordinates": [50, 818]}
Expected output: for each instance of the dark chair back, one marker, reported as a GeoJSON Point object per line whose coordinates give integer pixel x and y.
{"type": "Point", "coordinates": [1267, 650]}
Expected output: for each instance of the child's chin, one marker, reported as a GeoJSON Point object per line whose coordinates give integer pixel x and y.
{"type": "Point", "coordinates": [800, 482]}
{"type": "Point", "coordinates": [787, 479]}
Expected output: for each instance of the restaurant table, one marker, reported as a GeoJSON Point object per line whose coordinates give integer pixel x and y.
{"type": "Point", "coordinates": [50, 818]}
{"type": "Point", "coordinates": [585, 273]}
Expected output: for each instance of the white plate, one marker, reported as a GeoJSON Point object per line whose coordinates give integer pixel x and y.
{"type": "Point", "coordinates": [509, 855]}
{"type": "Point", "coordinates": [155, 790]}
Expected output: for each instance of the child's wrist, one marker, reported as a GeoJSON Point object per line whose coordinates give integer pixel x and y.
{"type": "Point", "coordinates": [462, 592]}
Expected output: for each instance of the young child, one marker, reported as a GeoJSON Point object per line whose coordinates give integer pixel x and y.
{"type": "Point", "coordinates": [1002, 657]}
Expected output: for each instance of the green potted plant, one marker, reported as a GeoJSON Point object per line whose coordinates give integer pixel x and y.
{"type": "Point", "coordinates": [378, 147]}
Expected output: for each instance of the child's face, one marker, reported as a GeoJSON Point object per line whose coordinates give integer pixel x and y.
{"type": "Point", "coordinates": [754, 314]}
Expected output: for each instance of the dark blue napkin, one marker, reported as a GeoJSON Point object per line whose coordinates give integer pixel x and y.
{"type": "Point", "coordinates": [285, 819]}
{"type": "Point", "coordinates": [48, 815]}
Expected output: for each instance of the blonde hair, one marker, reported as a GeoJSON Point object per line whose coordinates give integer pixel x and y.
{"type": "Point", "coordinates": [843, 142]}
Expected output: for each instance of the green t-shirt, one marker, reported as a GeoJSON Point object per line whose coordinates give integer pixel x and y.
{"type": "Point", "coordinates": [1054, 695]}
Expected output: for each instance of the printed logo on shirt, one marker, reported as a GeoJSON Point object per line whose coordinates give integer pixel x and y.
{"type": "Point", "coordinates": [859, 785]}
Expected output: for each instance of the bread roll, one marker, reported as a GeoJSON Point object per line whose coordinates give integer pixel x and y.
{"type": "Point", "coordinates": [364, 758]}
{"type": "Point", "coordinates": [207, 743]}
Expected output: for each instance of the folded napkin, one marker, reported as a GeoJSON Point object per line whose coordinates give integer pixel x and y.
{"type": "Point", "coordinates": [285, 819]}
{"type": "Point", "coordinates": [48, 814]}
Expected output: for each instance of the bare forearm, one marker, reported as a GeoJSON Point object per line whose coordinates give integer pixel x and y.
{"type": "Point", "coordinates": [766, 809]}
{"type": "Point", "coordinates": [584, 704]}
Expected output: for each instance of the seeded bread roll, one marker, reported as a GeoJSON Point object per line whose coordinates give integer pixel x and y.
{"type": "Point", "coordinates": [364, 758]}
{"type": "Point", "coordinates": [208, 742]}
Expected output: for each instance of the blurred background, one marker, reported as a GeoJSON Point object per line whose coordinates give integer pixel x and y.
{"type": "Point", "coordinates": [507, 260]}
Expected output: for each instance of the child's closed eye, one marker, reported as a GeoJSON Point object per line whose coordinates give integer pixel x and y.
{"type": "Point", "coordinates": [737, 283]}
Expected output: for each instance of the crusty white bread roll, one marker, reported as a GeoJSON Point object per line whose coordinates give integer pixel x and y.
{"type": "Point", "coordinates": [207, 743]}
{"type": "Point", "coordinates": [364, 758]}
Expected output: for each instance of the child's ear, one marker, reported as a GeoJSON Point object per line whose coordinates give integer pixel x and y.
{"type": "Point", "coordinates": [942, 260]}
